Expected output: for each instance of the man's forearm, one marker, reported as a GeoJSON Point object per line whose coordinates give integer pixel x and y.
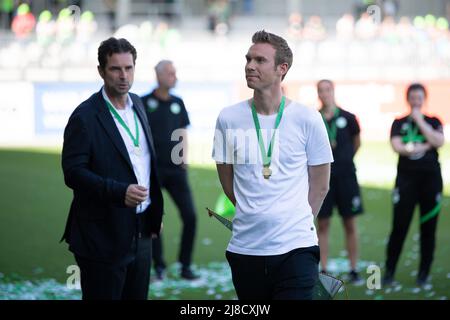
{"type": "Point", "coordinates": [225, 172]}
{"type": "Point", "coordinates": [434, 138]}
{"type": "Point", "coordinates": [319, 181]}
{"type": "Point", "coordinates": [315, 198]}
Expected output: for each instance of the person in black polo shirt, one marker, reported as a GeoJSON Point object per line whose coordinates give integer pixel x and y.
{"type": "Point", "coordinates": [343, 132]}
{"type": "Point", "coordinates": [168, 117]}
{"type": "Point", "coordinates": [416, 139]}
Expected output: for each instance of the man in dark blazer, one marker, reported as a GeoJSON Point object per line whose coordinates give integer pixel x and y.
{"type": "Point", "coordinates": [109, 162]}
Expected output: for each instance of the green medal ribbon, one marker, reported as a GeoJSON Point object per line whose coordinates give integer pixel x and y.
{"type": "Point", "coordinates": [332, 129]}
{"type": "Point", "coordinates": [412, 134]}
{"type": "Point", "coordinates": [267, 157]}
{"type": "Point", "coordinates": [124, 125]}
{"type": "Point", "coordinates": [431, 214]}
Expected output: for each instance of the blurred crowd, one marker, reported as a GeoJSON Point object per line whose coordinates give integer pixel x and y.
{"type": "Point", "coordinates": [365, 27]}
{"type": "Point", "coordinates": [65, 33]}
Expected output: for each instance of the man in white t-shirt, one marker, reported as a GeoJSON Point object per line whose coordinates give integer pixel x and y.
{"type": "Point", "coordinates": [273, 159]}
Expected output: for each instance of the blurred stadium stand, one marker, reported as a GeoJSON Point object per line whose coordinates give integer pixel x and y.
{"type": "Point", "coordinates": [370, 59]}
{"type": "Point", "coordinates": [326, 42]}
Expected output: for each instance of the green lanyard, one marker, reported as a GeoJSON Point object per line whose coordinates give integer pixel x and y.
{"type": "Point", "coordinates": [124, 125]}
{"type": "Point", "coordinates": [267, 157]}
{"type": "Point", "coordinates": [332, 129]}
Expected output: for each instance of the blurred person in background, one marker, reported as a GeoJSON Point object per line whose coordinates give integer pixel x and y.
{"type": "Point", "coordinates": [314, 29]}
{"type": "Point", "coordinates": [405, 30]}
{"type": "Point", "coordinates": [388, 31]}
{"type": "Point", "coordinates": [219, 14]}
{"type": "Point", "coordinates": [24, 22]}
{"type": "Point", "coordinates": [66, 26]}
{"type": "Point", "coordinates": [86, 27]}
{"type": "Point", "coordinates": [6, 13]}
{"type": "Point", "coordinates": [295, 26]}
{"type": "Point", "coordinates": [365, 27]}
{"type": "Point", "coordinates": [109, 162]}
{"type": "Point", "coordinates": [45, 28]}
{"type": "Point", "coordinates": [344, 134]}
{"type": "Point", "coordinates": [416, 138]}
{"type": "Point", "coordinates": [167, 115]}
{"type": "Point", "coordinates": [345, 27]}
{"type": "Point", "coordinates": [111, 6]}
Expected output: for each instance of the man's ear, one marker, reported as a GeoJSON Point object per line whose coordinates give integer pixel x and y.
{"type": "Point", "coordinates": [283, 68]}
{"type": "Point", "coordinates": [101, 72]}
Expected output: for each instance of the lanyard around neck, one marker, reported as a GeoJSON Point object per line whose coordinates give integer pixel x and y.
{"type": "Point", "coordinates": [267, 157]}
{"type": "Point", "coordinates": [331, 128]}
{"type": "Point", "coordinates": [124, 125]}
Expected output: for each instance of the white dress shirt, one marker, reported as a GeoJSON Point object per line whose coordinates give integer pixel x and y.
{"type": "Point", "coordinates": [141, 162]}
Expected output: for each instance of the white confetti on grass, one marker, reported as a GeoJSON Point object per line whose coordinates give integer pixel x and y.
{"type": "Point", "coordinates": [214, 283]}
{"type": "Point", "coordinates": [370, 292]}
{"type": "Point", "coordinates": [415, 290]}
{"type": "Point", "coordinates": [206, 241]}
{"type": "Point", "coordinates": [48, 289]}
{"type": "Point", "coordinates": [428, 287]}
{"type": "Point", "coordinates": [215, 280]}
{"type": "Point", "coordinates": [338, 266]}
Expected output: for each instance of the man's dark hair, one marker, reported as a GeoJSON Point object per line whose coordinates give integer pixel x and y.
{"type": "Point", "coordinates": [414, 87]}
{"type": "Point", "coordinates": [283, 53]}
{"type": "Point", "coordinates": [112, 45]}
{"type": "Point", "coordinates": [325, 80]}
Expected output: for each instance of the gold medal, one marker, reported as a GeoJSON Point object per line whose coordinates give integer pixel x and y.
{"type": "Point", "coordinates": [266, 157]}
{"type": "Point", "coordinates": [267, 172]}
{"type": "Point", "coordinates": [409, 147]}
{"type": "Point", "coordinates": [137, 151]}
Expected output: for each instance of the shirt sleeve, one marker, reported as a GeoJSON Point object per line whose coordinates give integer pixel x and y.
{"type": "Point", "coordinates": [437, 125]}
{"type": "Point", "coordinates": [222, 150]}
{"type": "Point", "coordinates": [318, 149]}
{"type": "Point", "coordinates": [353, 125]}
{"type": "Point", "coordinates": [395, 129]}
{"type": "Point", "coordinates": [184, 115]}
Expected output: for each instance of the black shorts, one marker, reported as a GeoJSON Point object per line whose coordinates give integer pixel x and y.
{"type": "Point", "coordinates": [345, 194]}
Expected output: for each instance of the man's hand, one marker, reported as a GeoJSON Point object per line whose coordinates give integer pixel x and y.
{"type": "Point", "coordinates": [154, 235]}
{"type": "Point", "coordinates": [420, 148]}
{"type": "Point", "coordinates": [135, 195]}
{"type": "Point", "coordinates": [435, 137]}
{"type": "Point", "coordinates": [416, 115]}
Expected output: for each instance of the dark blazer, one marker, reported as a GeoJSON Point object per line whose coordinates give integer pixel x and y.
{"type": "Point", "coordinates": [98, 169]}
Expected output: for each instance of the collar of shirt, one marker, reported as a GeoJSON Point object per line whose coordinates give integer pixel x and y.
{"type": "Point", "coordinates": [128, 104]}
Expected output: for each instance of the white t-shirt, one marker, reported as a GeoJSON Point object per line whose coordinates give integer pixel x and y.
{"type": "Point", "coordinates": [273, 216]}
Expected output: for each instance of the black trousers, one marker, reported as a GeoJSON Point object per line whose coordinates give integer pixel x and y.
{"type": "Point", "coordinates": [177, 185]}
{"type": "Point", "coordinates": [289, 276]}
{"type": "Point", "coordinates": [126, 279]}
{"type": "Point", "coordinates": [425, 189]}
